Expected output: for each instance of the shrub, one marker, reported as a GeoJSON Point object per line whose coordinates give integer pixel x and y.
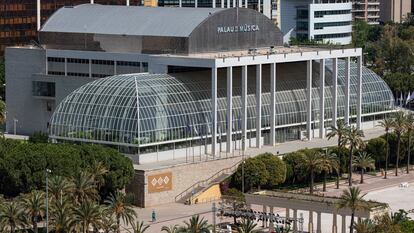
{"type": "Point", "coordinates": [293, 173]}
{"type": "Point", "coordinates": [255, 174]}
{"type": "Point", "coordinates": [39, 137]}
{"type": "Point", "coordinates": [275, 167]}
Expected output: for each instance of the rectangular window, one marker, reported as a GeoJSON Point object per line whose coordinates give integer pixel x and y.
{"type": "Point", "coordinates": [45, 89]}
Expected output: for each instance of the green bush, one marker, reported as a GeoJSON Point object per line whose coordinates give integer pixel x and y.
{"type": "Point", "coordinates": [275, 167]}
{"type": "Point", "coordinates": [23, 165]}
{"type": "Point", "coordinates": [39, 137]}
{"type": "Point", "coordinates": [377, 147]}
{"type": "Point", "coordinates": [293, 173]}
{"type": "Point", "coordinates": [255, 174]}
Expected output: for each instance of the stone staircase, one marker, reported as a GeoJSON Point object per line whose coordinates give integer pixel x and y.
{"type": "Point", "coordinates": [188, 195]}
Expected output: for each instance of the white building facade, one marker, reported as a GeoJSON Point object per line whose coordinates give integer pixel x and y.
{"type": "Point", "coordinates": [327, 21]}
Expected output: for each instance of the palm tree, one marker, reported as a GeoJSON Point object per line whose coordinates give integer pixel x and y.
{"type": "Point", "coordinates": [98, 171]}
{"type": "Point", "coordinates": [327, 162]}
{"type": "Point", "coordinates": [399, 128]}
{"type": "Point", "coordinates": [121, 208]}
{"type": "Point", "coordinates": [139, 227]}
{"type": "Point", "coordinates": [353, 138]}
{"type": "Point", "coordinates": [246, 226]}
{"type": "Point", "coordinates": [365, 226]}
{"type": "Point", "coordinates": [409, 122]}
{"type": "Point", "coordinates": [363, 160]}
{"type": "Point", "coordinates": [311, 163]}
{"type": "Point", "coordinates": [195, 225]}
{"type": "Point", "coordinates": [352, 199]}
{"type": "Point", "coordinates": [339, 131]}
{"type": "Point", "coordinates": [34, 206]}
{"type": "Point", "coordinates": [86, 215]}
{"type": "Point", "coordinates": [13, 216]}
{"type": "Point", "coordinates": [170, 229]}
{"type": "Point", "coordinates": [58, 187]}
{"type": "Point", "coordinates": [84, 187]}
{"type": "Point", "coordinates": [387, 124]}
{"type": "Point", "coordinates": [61, 216]}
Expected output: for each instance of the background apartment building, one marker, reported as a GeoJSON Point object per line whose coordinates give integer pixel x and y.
{"type": "Point", "coordinates": [394, 10]}
{"type": "Point", "coordinates": [366, 10]}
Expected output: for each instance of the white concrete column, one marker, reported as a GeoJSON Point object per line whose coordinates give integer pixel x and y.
{"type": "Point", "coordinates": [244, 107]}
{"type": "Point", "coordinates": [213, 110]}
{"type": "Point", "coordinates": [272, 104]}
{"type": "Point", "coordinates": [246, 3]}
{"type": "Point", "coordinates": [214, 4]}
{"type": "Point", "coordinates": [267, 8]}
{"type": "Point", "coordinates": [240, 3]}
{"type": "Point", "coordinates": [319, 223]}
{"type": "Point", "coordinates": [38, 12]}
{"type": "Point", "coordinates": [229, 109]}
{"type": "Point", "coordinates": [258, 5]}
{"type": "Point", "coordinates": [92, 2]}
{"type": "Point", "coordinates": [343, 223]}
{"type": "Point", "coordinates": [196, 3]}
{"type": "Point", "coordinates": [347, 86]}
{"type": "Point", "coordinates": [90, 68]}
{"type": "Point", "coordinates": [264, 219]}
{"type": "Point", "coordinates": [334, 223]}
{"type": "Point", "coordinates": [222, 3]}
{"type": "Point", "coordinates": [271, 224]}
{"type": "Point", "coordinates": [127, 2]}
{"type": "Point", "coordinates": [258, 105]}
{"type": "Point", "coordinates": [295, 222]}
{"type": "Point", "coordinates": [287, 215]}
{"type": "Point", "coordinates": [234, 3]}
{"type": "Point", "coordinates": [309, 98]}
{"type": "Point", "coordinates": [228, 3]}
{"type": "Point", "coordinates": [180, 3]}
{"type": "Point", "coordinates": [310, 226]}
{"type": "Point", "coordinates": [334, 91]}
{"type": "Point", "coordinates": [322, 98]}
{"type": "Point", "coordinates": [359, 92]}
{"type": "Point", "coordinates": [66, 66]}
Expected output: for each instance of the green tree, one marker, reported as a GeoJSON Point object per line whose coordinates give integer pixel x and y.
{"type": "Point", "coordinates": [13, 216]}
{"type": "Point", "coordinates": [363, 161]}
{"type": "Point", "coordinates": [121, 208]}
{"type": "Point", "coordinates": [364, 226]}
{"type": "Point", "coordinates": [353, 138]}
{"type": "Point", "coordinates": [39, 137]}
{"type": "Point", "coordinates": [387, 124]}
{"type": "Point", "coordinates": [170, 229]}
{"type": "Point", "coordinates": [195, 225]}
{"type": "Point", "coordinates": [58, 186]}
{"type": "Point", "coordinates": [275, 167]}
{"type": "Point", "coordinates": [409, 124]}
{"type": "Point", "coordinates": [312, 163]}
{"type": "Point", "coordinates": [352, 199]}
{"type": "Point", "coordinates": [139, 227]}
{"type": "Point", "coordinates": [384, 224]}
{"type": "Point", "coordinates": [398, 125]}
{"type": "Point", "coordinates": [87, 214]}
{"type": "Point", "coordinates": [328, 162]}
{"type": "Point", "coordinates": [293, 171]}
{"type": "Point", "coordinates": [34, 206]}
{"type": "Point", "coordinates": [255, 174]}
{"type": "Point", "coordinates": [377, 148]}
{"type": "Point", "coordinates": [246, 226]}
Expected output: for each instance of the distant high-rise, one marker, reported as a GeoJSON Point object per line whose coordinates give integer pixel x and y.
{"type": "Point", "coordinates": [366, 10]}
{"type": "Point", "coordinates": [394, 10]}
{"type": "Point", "coordinates": [18, 19]}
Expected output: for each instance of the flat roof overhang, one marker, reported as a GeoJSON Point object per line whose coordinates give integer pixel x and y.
{"type": "Point", "coordinates": [242, 58]}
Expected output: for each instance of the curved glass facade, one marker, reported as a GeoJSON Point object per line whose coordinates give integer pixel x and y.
{"type": "Point", "coordinates": [171, 110]}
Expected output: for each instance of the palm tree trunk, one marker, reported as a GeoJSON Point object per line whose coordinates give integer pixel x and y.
{"type": "Point", "coordinates": [362, 176]}
{"type": "Point", "coordinates": [351, 227]}
{"type": "Point", "coordinates": [311, 183]}
{"type": "Point", "coordinates": [350, 166]}
{"type": "Point", "coordinates": [386, 156]}
{"type": "Point", "coordinates": [34, 224]}
{"type": "Point", "coordinates": [324, 181]}
{"type": "Point", "coordinates": [118, 223]}
{"type": "Point", "coordinates": [408, 155]}
{"type": "Point", "coordinates": [340, 156]}
{"type": "Point", "coordinates": [337, 181]}
{"type": "Point", "coordinates": [398, 153]}
{"type": "Point", "coordinates": [12, 229]}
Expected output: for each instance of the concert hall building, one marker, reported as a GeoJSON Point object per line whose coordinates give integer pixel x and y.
{"type": "Point", "coordinates": [153, 82]}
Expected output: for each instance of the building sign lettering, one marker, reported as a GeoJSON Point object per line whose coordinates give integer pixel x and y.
{"type": "Point", "coordinates": [240, 28]}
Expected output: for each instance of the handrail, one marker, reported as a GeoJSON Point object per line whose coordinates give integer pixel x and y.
{"type": "Point", "coordinates": [207, 181]}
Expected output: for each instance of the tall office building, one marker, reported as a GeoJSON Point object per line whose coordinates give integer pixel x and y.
{"type": "Point", "coordinates": [394, 10]}
{"type": "Point", "coordinates": [366, 10]}
{"type": "Point", "coordinates": [319, 20]}
{"type": "Point", "coordinates": [18, 19]}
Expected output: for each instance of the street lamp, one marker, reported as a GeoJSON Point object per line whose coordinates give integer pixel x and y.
{"type": "Point", "coordinates": [48, 171]}
{"type": "Point", "coordinates": [243, 164]}
{"type": "Point", "coordinates": [15, 123]}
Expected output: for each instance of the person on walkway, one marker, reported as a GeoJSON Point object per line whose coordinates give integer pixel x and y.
{"type": "Point", "coordinates": [153, 217]}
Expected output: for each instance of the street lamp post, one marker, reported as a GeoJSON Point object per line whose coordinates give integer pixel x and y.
{"type": "Point", "coordinates": [15, 123]}
{"type": "Point", "coordinates": [47, 201]}
{"type": "Point", "coordinates": [242, 164]}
